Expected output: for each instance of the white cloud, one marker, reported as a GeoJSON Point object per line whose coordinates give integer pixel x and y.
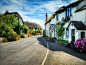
{"type": "Point", "coordinates": [17, 6]}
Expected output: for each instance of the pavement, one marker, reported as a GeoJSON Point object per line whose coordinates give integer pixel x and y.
{"type": "Point", "coordinates": [37, 51]}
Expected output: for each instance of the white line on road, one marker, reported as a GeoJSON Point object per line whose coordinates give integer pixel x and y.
{"type": "Point", "coordinates": [46, 53]}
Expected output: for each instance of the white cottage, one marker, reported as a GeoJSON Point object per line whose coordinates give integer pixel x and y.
{"type": "Point", "coordinates": [75, 26]}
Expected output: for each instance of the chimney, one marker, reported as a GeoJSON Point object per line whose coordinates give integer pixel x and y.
{"type": "Point", "coordinates": [7, 11]}
{"type": "Point", "coordinates": [46, 16]}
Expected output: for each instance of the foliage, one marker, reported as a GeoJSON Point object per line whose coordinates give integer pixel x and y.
{"type": "Point", "coordinates": [25, 29]}
{"type": "Point", "coordinates": [12, 36]}
{"type": "Point", "coordinates": [60, 31]}
{"type": "Point", "coordinates": [7, 32]}
{"type": "Point", "coordinates": [37, 33]}
{"type": "Point", "coordinates": [5, 39]}
{"type": "Point", "coordinates": [81, 44]}
{"type": "Point", "coordinates": [62, 41]}
{"type": "Point", "coordinates": [52, 39]}
{"type": "Point", "coordinates": [43, 33]}
{"type": "Point", "coordinates": [66, 19]}
{"type": "Point", "coordinates": [12, 21]}
{"type": "Point", "coordinates": [65, 42]}
{"type": "Point", "coordinates": [47, 38]}
{"type": "Point", "coordinates": [22, 35]}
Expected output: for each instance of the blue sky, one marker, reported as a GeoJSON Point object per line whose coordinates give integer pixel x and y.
{"type": "Point", "coordinates": [33, 10]}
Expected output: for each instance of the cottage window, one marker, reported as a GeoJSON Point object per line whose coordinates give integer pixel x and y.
{"type": "Point", "coordinates": [82, 35]}
{"type": "Point", "coordinates": [67, 32]}
{"type": "Point", "coordinates": [69, 12]}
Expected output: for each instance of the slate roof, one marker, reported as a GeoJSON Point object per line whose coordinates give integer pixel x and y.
{"type": "Point", "coordinates": [82, 8]}
{"type": "Point", "coordinates": [32, 25]}
{"type": "Point", "coordinates": [78, 25]}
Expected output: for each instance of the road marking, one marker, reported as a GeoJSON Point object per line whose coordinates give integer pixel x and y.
{"type": "Point", "coordinates": [46, 53]}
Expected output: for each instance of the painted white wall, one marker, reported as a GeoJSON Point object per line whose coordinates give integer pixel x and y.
{"type": "Point", "coordinates": [47, 28]}
{"type": "Point", "coordinates": [61, 15]}
{"type": "Point", "coordinates": [79, 33]}
{"type": "Point", "coordinates": [80, 16]}
{"type": "Point", "coordinates": [65, 26]}
{"type": "Point", "coordinates": [83, 3]}
{"type": "Point", "coordinates": [70, 30]}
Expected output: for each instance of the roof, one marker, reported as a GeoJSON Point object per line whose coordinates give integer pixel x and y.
{"type": "Point", "coordinates": [78, 25]}
{"type": "Point", "coordinates": [82, 8]}
{"type": "Point", "coordinates": [63, 8]}
{"type": "Point", "coordinates": [13, 13]}
{"type": "Point", "coordinates": [50, 18]}
{"type": "Point", "coordinates": [32, 25]}
{"type": "Point", "coordinates": [74, 3]}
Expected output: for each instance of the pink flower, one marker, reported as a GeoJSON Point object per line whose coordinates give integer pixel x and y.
{"type": "Point", "coordinates": [81, 50]}
{"type": "Point", "coordinates": [84, 38]}
{"type": "Point", "coordinates": [71, 44]}
{"type": "Point", "coordinates": [79, 39]}
{"type": "Point", "coordinates": [77, 46]}
{"type": "Point", "coordinates": [82, 47]}
{"type": "Point", "coordinates": [76, 42]}
{"type": "Point", "coordinates": [83, 44]}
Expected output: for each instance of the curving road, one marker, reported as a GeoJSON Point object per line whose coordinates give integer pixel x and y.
{"type": "Point", "coordinates": [37, 51]}
{"type": "Point", "coordinates": [28, 51]}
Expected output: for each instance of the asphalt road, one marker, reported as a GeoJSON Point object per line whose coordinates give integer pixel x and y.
{"type": "Point", "coordinates": [34, 51]}
{"type": "Point", "coordinates": [23, 52]}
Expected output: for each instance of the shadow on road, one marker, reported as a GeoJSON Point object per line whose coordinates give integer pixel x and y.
{"type": "Point", "coordinates": [57, 47]}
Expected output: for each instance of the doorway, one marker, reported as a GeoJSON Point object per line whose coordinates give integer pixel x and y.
{"type": "Point", "coordinates": [73, 35]}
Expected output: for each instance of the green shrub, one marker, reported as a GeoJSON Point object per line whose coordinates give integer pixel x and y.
{"type": "Point", "coordinates": [43, 33]}
{"type": "Point", "coordinates": [5, 39]}
{"type": "Point", "coordinates": [12, 36]}
{"type": "Point", "coordinates": [37, 33]}
{"type": "Point", "coordinates": [25, 29]}
{"type": "Point", "coordinates": [22, 35]}
{"type": "Point", "coordinates": [7, 32]}
{"type": "Point", "coordinates": [47, 38]}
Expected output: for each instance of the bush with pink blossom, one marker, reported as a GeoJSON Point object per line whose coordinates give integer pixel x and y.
{"type": "Point", "coordinates": [81, 44]}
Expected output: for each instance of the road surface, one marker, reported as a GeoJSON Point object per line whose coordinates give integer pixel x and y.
{"type": "Point", "coordinates": [36, 51]}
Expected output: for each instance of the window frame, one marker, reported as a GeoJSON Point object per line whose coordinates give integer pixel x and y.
{"type": "Point", "coordinates": [67, 33]}
{"type": "Point", "coordinates": [69, 12]}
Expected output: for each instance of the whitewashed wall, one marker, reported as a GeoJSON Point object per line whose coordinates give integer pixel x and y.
{"type": "Point", "coordinates": [65, 26]}
{"type": "Point", "coordinates": [70, 28]}
{"type": "Point", "coordinates": [80, 16]}
{"type": "Point", "coordinates": [79, 33]}
{"type": "Point", "coordinates": [83, 3]}
{"type": "Point", "coordinates": [61, 15]}
{"type": "Point", "coordinates": [47, 29]}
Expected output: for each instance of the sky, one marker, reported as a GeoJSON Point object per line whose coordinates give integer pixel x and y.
{"type": "Point", "coordinates": [33, 10]}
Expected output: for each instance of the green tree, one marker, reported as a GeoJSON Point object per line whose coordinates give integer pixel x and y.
{"type": "Point", "coordinates": [25, 29]}
{"type": "Point", "coordinates": [7, 32]}
{"type": "Point", "coordinates": [12, 21]}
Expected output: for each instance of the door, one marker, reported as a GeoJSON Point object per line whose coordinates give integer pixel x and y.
{"type": "Point", "coordinates": [73, 35]}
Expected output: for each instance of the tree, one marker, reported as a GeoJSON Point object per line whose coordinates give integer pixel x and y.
{"type": "Point", "coordinates": [25, 29]}
{"type": "Point", "coordinates": [12, 21]}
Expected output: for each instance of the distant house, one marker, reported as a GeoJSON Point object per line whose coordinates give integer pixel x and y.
{"type": "Point", "coordinates": [32, 25]}
{"type": "Point", "coordinates": [16, 14]}
{"type": "Point", "coordinates": [73, 18]}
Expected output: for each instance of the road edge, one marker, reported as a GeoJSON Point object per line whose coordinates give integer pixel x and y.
{"type": "Point", "coordinates": [46, 53]}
